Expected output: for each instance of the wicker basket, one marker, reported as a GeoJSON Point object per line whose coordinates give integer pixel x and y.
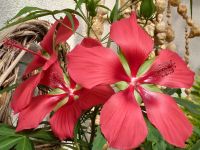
{"type": "Point", "coordinates": [28, 34]}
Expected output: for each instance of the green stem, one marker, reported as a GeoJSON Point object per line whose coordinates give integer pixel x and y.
{"type": "Point", "coordinates": [93, 126]}
{"type": "Point", "coordinates": [86, 20]}
{"type": "Point", "coordinates": [114, 19]}
{"type": "Point", "coordinates": [67, 26]}
{"type": "Point", "coordinates": [124, 4]}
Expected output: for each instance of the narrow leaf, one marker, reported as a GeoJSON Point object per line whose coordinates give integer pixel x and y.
{"type": "Point", "coordinates": [26, 10]}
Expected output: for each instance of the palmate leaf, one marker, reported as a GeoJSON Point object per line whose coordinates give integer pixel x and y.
{"type": "Point", "coordinates": [9, 139]}
{"type": "Point", "coordinates": [24, 144]}
{"type": "Point", "coordinates": [196, 146]}
{"type": "Point", "coordinates": [43, 134]}
{"type": "Point", "coordinates": [155, 141]}
{"type": "Point", "coordinates": [6, 130]}
{"type": "Point", "coordinates": [8, 142]}
{"type": "Point", "coordinates": [193, 108]}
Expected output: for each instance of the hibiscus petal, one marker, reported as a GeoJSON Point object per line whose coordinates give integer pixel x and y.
{"type": "Point", "coordinates": [53, 77]}
{"type": "Point", "coordinates": [47, 42]}
{"type": "Point", "coordinates": [90, 42]}
{"type": "Point", "coordinates": [64, 121]}
{"type": "Point", "coordinates": [96, 96]}
{"type": "Point", "coordinates": [122, 122]}
{"type": "Point", "coordinates": [135, 43]}
{"type": "Point", "coordinates": [169, 70]}
{"type": "Point", "coordinates": [102, 65]}
{"type": "Point", "coordinates": [39, 107]}
{"type": "Point", "coordinates": [50, 61]}
{"type": "Point", "coordinates": [36, 63]}
{"type": "Point", "coordinates": [24, 92]}
{"type": "Point", "coordinates": [167, 117]}
{"type": "Point", "coordinates": [65, 29]}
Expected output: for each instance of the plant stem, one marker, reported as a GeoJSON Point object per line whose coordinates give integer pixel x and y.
{"type": "Point", "coordinates": [86, 20]}
{"type": "Point", "coordinates": [67, 26]}
{"type": "Point", "coordinates": [93, 126]}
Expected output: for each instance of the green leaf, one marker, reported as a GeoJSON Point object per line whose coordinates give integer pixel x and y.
{"type": "Point", "coordinates": [147, 9]}
{"type": "Point", "coordinates": [91, 6]}
{"type": "Point", "coordinates": [196, 146]}
{"type": "Point", "coordinates": [196, 130]}
{"type": "Point", "coordinates": [30, 16]}
{"type": "Point", "coordinates": [79, 3]}
{"type": "Point", "coordinates": [9, 88]}
{"type": "Point", "coordinates": [9, 139]}
{"type": "Point", "coordinates": [69, 15]}
{"type": "Point", "coordinates": [6, 130]}
{"type": "Point", "coordinates": [170, 91]}
{"type": "Point", "coordinates": [188, 105]}
{"type": "Point", "coordinates": [8, 142]}
{"type": "Point", "coordinates": [99, 140]}
{"type": "Point", "coordinates": [103, 6]}
{"type": "Point", "coordinates": [24, 144]}
{"type": "Point", "coordinates": [114, 13]}
{"type": "Point", "coordinates": [26, 10]}
{"type": "Point", "coordinates": [43, 135]}
{"type": "Point", "coordinates": [155, 138]}
{"type": "Point", "coordinates": [37, 14]}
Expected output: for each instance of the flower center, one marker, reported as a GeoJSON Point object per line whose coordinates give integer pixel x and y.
{"type": "Point", "coordinates": [134, 81]}
{"type": "Point", "coordinates": [71, 91]}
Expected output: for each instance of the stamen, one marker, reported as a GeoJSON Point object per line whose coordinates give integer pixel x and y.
{"type": "Point", "coordinates": [19, 46]}
{"type": "Point", "coordinates": [164, 69]}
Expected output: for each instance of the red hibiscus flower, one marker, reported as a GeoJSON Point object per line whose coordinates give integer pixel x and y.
{"type": "Point", "coordinates": [69, 102]}
{"type": "Point", "coordinates": [65, 100]}
{"type": "Point", "coordinates": [121, 121]}
{"type": "Point", "coordinates": [22, 99]}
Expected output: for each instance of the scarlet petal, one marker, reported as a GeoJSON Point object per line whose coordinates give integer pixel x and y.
{"type": "Point", "coordinates": [167, 117]}
{"type": "Point", "coordinates": [54, 77]}
{"type": "Point", "coordinates": [36, 63]}
{"type": "Point", "coordinates": [64, 121]}
{"type": "Point", "coordinates": [50, 61]}
{"type": "Point", "coordinates": [39, 107]}
{"type": "Point", "coordinates": [169, 70]}
{"type": "Point", "coordinates": [47, 42]}
{"type": "Point", "coordinates": [24, 92]}
{"type": "Point", "coordinates": [102, 65]}
{"type": "Point", "coordinates": [135, 43]}
{"type": "Point", "coordinates": [90, 42]}
{"type": "Point", "coordinates": [65, 29]}
{"type": "Point", "coordinates": [96, 96]}
{"type": "Point", "coordinates": [122, 122]}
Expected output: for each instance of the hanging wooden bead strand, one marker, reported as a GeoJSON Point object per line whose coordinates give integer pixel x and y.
{"type": "Point", "coordinates": [186, 56]}
{"type": "Point", "coordinates": [160, 25]}
{"type": "Point", "coordinates": [169, 31]}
